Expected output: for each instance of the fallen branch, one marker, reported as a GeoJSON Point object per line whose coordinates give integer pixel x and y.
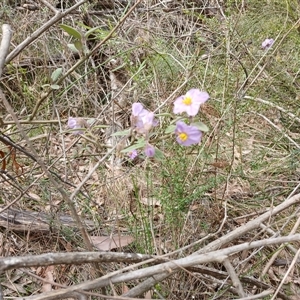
{"type": "Point", "coordinates": [171, 267]}
{"type": "Point", "coordinates": [31, 221]}
{"type": "Point", "coordinates": [73, 258]}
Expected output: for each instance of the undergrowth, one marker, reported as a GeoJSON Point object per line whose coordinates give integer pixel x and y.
{"type": "Point", "coordinates": [247, 161]}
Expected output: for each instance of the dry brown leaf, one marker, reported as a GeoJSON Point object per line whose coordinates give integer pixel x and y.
{"type": "Point", "coordinates": [220, 164]}
{"type": "Point", "coordinates": [249, 146]}
{"type": "Point", "coordinates": [14, 287]}
{"type": "Point", "coordinates": [47, 287]}
{"type": "Point", "coordinates": [34, 196]}
{"type": "Point", "coordinates": [148, 295]}
{"type": "Point", "coordinates": [272, 275]}
{"type": "Point", "coordinates": [125, 288]}
{"type": "Point", "coordinates": [194, 207]}
{"type": "Point", "coordinates": [209, 110]}
{"type": "Point", "coordinates": [150, 202]}
{"type": "Point", "coordinates": [107, 243]}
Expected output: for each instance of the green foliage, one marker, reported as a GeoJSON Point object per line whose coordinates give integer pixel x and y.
{"type": "Point", "coordinates": [142, 220]}
{"type": "Point", "coordinates": [71, 31]}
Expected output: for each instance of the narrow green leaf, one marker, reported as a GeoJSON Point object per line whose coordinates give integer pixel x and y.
{"type": "Point", "coordinates": [159, 154]}
{"type": "Point", "coordinates": [73, 48]}
{"type": "Point", "coordinates": [54, 86]}
{"type": "Point", "coordinates": [97, 31]}
{"type": "Point", "coordinates": [121, 133]}
{"type": "Point", "coordinates": [164, 115]}
{"type": "Point", "coordinates": [90, 121]}
{"type": "Point", "coordinates": [201, 126]}
{"type": "Point", "coordinates": [55, 74]}
{"type": "Point", "coordinates": [170, 129]}
{"type": "Point", "coordinates": [71, 31]}
{"type": "Point", "coordinates": [134, 147]}
{"type": "Point", "coordinates": [78, 45]}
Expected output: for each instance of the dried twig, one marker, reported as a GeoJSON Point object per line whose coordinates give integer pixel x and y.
{"type": "Point", "coordinates": [295, 259]}
{"type": "Point", "coordinates": [258, 296]}
{"type": "Point", "coordinates": [46, 3]}
{"type": "Point", "coordinates": [228, 237]}
{"type": "Point", "coordinates": [31, 221]}
{"type": "Point", "coordinates": [221, 241]}
{"type": "Point", "coordinates": [235, 279]}
{"type": "Point", "coordinates": [276, 254]}
{"type": "Point", "coordinates": [146, 285]}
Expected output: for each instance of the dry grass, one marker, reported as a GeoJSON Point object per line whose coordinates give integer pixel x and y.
{"type": "Point", "coordinates": [247, 163]}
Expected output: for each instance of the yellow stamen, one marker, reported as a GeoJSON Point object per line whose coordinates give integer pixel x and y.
{"type": "Point", "coordinates": [183, 136]}
{"type": "Point", "coordinates": [187, 100]}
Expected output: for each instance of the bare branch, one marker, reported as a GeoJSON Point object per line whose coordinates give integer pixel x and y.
{"type": "Point", "coordinates": [50, 259]}
{"type": "Point", "coordinates": [4, 46]}
{"type": "Point", "coordinates": [172, 266]}
{"type": "Point", "coordinates": [49, 6]}
{"type": "Point", "coordinates": [258, 296]}
{"type": "Point", "coordinates": [235, 279]}
{"type": "Point", "coordinates": [146, 285]}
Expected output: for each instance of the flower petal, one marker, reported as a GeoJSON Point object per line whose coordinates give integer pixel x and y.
{"type": "Point", "coordinates": [137, 108]}
{"type": "Point", "coordinates": [192, 135]}
{"type": "Point", "coordinates": [195, 98]}
{"type": "Point", "coordinates": [149, 150]}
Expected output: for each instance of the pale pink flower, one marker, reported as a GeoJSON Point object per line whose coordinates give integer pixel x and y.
{"type": "Point", "coordinates": [76, 123]}
{"type": "Point", "coordinates": [190, 102]}
{"type": "Point", "coordinates": [142, 120]}
{"type": "Point", "coordinates": [133, 154]}
{"type": "Point", "coordinates": [187, 135]}
{"type": "Point", "coordinates": [267, 43]}
{"type": "Point", "coordinates": [149, 150]}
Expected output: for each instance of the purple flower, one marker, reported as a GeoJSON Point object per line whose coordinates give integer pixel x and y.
{"type": "Point", "coordinates": [142, 120]}
{"type": "Point", "coordinates": [138, 109]}
{"type": "Point", "coordinates": [76, 123]}
{"type": "Point", "coordinates": [133, 154]}
{"type": "Point", "coordinates": [187, 135]}
{"type": "Point", "coordinates": [149, 150]}
{"type": "Point", "coordinates": [267, 43]}
{"type": "Point", "coordinates": [190, 102]}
